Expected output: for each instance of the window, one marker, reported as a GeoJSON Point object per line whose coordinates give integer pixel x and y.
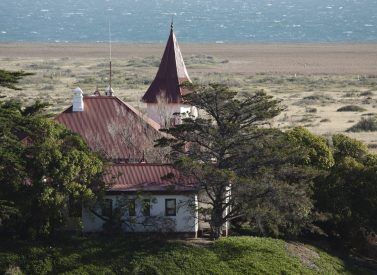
{"type": "Point", "coordinates": [146, 207]}
{"type": "Point", "coordinates": [107, 207]}
{"type": "Point", "coordinates": [170, 207]}
{"type": "Point", "coordinates": [131, 208]}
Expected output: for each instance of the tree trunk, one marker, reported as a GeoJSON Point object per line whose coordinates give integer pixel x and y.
{"type": "Point", "coordinates": [217, 222]}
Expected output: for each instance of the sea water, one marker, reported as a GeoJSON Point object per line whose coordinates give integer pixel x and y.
{"type": "Point", "coordinates": [220, 21]}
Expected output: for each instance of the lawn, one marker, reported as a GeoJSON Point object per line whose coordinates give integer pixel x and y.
{"type": "Point", "coordinates": [105, 255]}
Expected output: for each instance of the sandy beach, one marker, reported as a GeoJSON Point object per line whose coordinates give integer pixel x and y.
{"type": "Point", "coordinates": [244, 58]}
{"type": "Point", "coordinates": [312, 80]}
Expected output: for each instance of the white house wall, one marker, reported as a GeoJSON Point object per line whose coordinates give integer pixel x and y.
{"type": "Point", "coordinates": [185, 221]}
{"type": "Point", "coordinates": [161, 112]}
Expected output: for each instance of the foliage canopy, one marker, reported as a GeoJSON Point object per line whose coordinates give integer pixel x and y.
{"type": "Point", "coordinates": [245, 168]}
{"type": "Point", "coordinates": [10, 79]}
{"type": "Point", "coordinates": [43, 168]}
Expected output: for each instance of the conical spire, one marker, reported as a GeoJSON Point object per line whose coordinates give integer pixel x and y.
{"type": "Point", "coordinates": [171, 73]}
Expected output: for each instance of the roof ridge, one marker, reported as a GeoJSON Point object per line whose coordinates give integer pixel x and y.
{"type": "Point", "coordinates": [147, 119]}
{"type": "Point", "coordinates": [99, 96]}
{"type": "Point", "coordinates": [142, 164]}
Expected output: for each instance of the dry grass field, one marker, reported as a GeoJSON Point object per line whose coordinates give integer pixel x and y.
{"type": "Point", "coordinates": [312, 80]}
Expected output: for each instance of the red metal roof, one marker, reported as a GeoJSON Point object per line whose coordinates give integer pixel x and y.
{"type": "Point", "coordinates": [112, 127]}
{"type": "Point", "coordinates": [170, 75]}
{"type": "Point", "coordinates": [147, 177]}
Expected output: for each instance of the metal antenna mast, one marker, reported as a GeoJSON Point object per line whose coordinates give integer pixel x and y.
{"type": "Point", "coordinates": [110, 91]}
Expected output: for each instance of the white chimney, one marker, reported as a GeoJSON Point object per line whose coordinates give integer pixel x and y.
{"type": "Point", "coordinates": [109, 91]}
{"type": "Point", "coordinates": [78, 102]}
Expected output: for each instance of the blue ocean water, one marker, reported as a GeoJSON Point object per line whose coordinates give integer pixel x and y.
{"type": "Point", "coordinates": [219, 21]}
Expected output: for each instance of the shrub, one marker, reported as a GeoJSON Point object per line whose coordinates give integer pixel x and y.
{"type": "Point", "coordinates": [203, 59]}
{"type": "Point", "coordinates": [366, 93]}
{"type": "Point", "coordinates": [311, 110]}
{"type": "Point", "coordinates": [91, 269]}
{"type": "Point", "coordinates": [369, 114]}
{"type": "Point", "coordinates": [149, 61]}
{"type": "Point", "coordinates": [8, 261]}
{"type": "Point", "coordinates": [351, 108]}
{"type": "Point", "coordinates": [13, 270]}
{"type": "Point", "coordinates": [364, 125]}
{"type": "Point", "coordinates": [38, 261]}
{"type": "Point", "coordinates": [350, 94]}
{"type": "Point", "coordinates": [317, 97]}
{"type": "Point", "coordinates": [367, 100]}
{"type": "Point", "coordinates": [372, 146]}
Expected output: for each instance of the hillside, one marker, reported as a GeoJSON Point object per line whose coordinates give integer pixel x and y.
{"type": "Point", "coordinates": [234, 255]}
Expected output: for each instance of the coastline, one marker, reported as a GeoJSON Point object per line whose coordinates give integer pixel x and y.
{"type": "Point", "coordinates": [279, 58]}
{"type": "Point", "coordinates": [338, 73]}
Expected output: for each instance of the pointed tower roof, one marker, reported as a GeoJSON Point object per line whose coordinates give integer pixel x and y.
{"type": "Point", "coordinates": [171, 73]}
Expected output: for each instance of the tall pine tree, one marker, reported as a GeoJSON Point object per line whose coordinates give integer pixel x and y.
{"type": "Point", "coordinates": [233, 154]}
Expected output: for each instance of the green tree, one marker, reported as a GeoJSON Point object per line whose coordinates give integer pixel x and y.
{"type": "Point", "coordinates": [318, 152]}
{"type": "Point", "coordinates": [348, 194]}
{"type": "Point", "coordinates": [281, 170]}
{"type": "Point", "coordinates": [43, 168]}
{"type": "Point", "coordinates": [10, 79]}
{"type": "Point", "coordinates": [233, 155]}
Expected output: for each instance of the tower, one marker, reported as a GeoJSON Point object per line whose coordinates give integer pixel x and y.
{"type": "Point", "coordinates": [164, 95]}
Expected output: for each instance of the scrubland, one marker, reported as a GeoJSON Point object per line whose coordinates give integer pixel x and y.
{"type": "Point", "coordinates": [317, 84]}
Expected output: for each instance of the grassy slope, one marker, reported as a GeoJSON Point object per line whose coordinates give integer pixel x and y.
{"type": "Point", "coordinates": [236, 255]}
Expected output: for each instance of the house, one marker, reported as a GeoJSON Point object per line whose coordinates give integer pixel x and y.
{"type": "Point", "coordinates": [149, 195]}
{"type": "Point", "coordinates": [151, 203]}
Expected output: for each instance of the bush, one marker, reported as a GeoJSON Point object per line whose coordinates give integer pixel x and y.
{"type": "Point", "coordinates": [8, 261]}
{"type": "Point", "coordinates": [366, 93]}
{"type": "Point", "coordinates": [364, 125]}
{"type": "Point", "coordinates": [351, 108]}
{"type": "Point", "coordinates": [203, 59]}
{"type": "Point", "coordinates": [369, 114]}
{"type": "Point", "coordinates": [13, 270]}
{"type": "Point", "coordinates": [149, 61]}
{"type": "Point", "coordinates": [91, 269]}
{"type": "Point", "coordinates": [38, 261]}
{"type": "Point", "coordinates": [311, 110]}
{"type": "Point", "coordinates": [318, 98]}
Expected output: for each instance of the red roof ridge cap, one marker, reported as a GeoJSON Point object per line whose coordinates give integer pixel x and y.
{"type": "Point", "coordinates": [142, 164]}
{"type": "Point", "coordinates": [146, 119]}
{"type": "Point", "coordinates": [99, 96]}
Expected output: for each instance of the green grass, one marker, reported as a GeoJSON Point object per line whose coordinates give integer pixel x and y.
{"type": "Point", "coordinates": [104, 255]}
